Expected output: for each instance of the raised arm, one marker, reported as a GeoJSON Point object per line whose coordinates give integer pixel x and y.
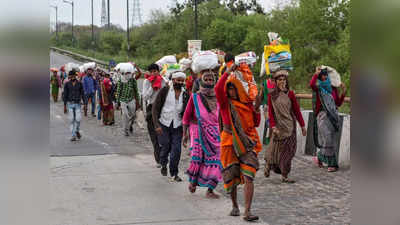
{"type": "Point", "coordinates": [313, 82]}
{"type": "Point", "coordinates": [220, 92]}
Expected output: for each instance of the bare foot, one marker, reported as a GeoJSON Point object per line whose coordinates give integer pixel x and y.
{"type": "Point", "coordinates": [212, 195]}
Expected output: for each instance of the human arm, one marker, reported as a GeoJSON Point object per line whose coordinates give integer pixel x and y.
{"type": "Point", "coordinates": [138, 73]}
{"type": "Point", "coordinates": [297, 112]}
{"type": "Point", "coordinates": [271, 115]}
{"type": "Point", "coordinates": [157, 106]}
{"type": "Point", "coordinates": [313, 82]}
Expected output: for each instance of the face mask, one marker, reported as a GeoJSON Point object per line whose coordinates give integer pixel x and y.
{"type": "Point", "coordinates": [178, 85]}
{"type": "Point", "coordinates": [208, 85]}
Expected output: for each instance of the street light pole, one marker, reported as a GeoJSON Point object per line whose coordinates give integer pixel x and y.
{"type": "Point", "coordinates": [108, 14]}
{"type": "Point", "coordinates": [196, 33]}
{"type": "Point", "coordinates": [127, 25]}
{"type": "Point", "coordinates": [72, 5]}
{"type": "Point", "coordinates": [92, 27]}
{"type": "Point", "coordinates": [56, 7]}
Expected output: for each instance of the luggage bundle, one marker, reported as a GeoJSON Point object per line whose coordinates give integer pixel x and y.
{"type": "Point", "coordinates": [204, 60]}
{"type": "Point", "coordinates": [250, 58]}
{"type": "Point", "coordinates": [277, 54]}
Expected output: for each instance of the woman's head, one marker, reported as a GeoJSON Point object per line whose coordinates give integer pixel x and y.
{"type": "Point", "coordinates": [281, 81]}
{"type": "Point", "coordinates": [208, 80]}
{"type": "Point", "coordinates": [232, 92]}
{"type": "Point", "coordinates": [323, 75]}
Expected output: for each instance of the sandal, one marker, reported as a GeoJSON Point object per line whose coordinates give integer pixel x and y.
{"type": "Point", "coordinates": [250, 217]}
{"type": "Point", "coordinates": [266, 171]}
{"type": "Point", "coordinates": [212, 195]}
{"type": "Point", "coordinates": [192, 188]}
{"type": "Point", "coordinates": [288, 181]}
{"type": "Point", "coordinates": [235, 212]}
{"type": "Point", "coordinates": [332, 169]}
{"type": "Point", "coordinates": [317, 162]}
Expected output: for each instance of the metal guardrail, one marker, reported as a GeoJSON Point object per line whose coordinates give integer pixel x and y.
{"type": "Point", "coordinates": [81, 58]}
{"type": "Point", "coordinates": [309, 96]}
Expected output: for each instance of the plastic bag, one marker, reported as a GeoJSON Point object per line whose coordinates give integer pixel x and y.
{"type": "Point", "coordinates": [204, 60]}
{"type": "Point", "coordinates": [126, 68]}
{"type": "Point", "coordinates": [90, 65]}
{"type": "Point", "coordinates": [70, 66]}
{"type": "Point", "coordinates": [334, 76]}
{"type": "Point", "coordinates": [278, 57]}
{"type": "Point", "coordinates": [169, 59]}
{"type": "Point", "coordinates": [185, 63]}
{"type": "Point", "coordinates": [250, 58]}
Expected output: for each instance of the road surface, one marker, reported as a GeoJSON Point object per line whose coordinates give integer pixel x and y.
{"type": "Point", "coordinates": [107, 178]}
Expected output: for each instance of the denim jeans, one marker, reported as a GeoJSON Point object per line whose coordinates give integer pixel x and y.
{"type": "Point", "coordinates": [74, 116]}
{"type": "Point", "coordinates": [91, 96]}
{"type": "Point", "coordinates": [170, 145]}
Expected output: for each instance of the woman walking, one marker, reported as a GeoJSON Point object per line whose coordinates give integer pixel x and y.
{"type": "Point", "coordinates": [55, 84]}
{"type": "Point", "coordinates": [106, 100]}
{"type": "Point", "coordinates": [201, 117]}
{"type": "Point", "coordinates": [240, 143]}
{"type": "Point", "coordinates": [327, 118]}
{"type": "Point", "coordinates": [283, 111]}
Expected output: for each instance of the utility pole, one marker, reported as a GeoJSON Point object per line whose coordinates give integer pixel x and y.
{"type": "Point", "coordinates": [92, 27]}
{"type": "Point", "coordinates": [108, 14]}
{"type": "Point", "coordinates": [72, 5]}
{"type": "Point", "coordinates": [56, 7]}
{"type": "Point", "coordinates": [196, 32]}
{"type": "Point", "coordinates": [127, 25]}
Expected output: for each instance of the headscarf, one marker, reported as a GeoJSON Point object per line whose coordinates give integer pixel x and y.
{"type": "Point", "coordinates": [242, 94]}
{"type": "Point", "coordinates": [325, 86]}
{"type": "Point", "coordinates": [155, 80]}
{"type": "Point", "coordinates": [207, 92]}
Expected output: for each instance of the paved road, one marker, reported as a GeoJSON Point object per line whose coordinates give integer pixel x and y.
{"type": "Point", "coordinates": [98, 187]}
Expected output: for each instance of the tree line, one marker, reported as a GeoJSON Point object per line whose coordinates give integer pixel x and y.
{"type": "Point", "coordinates": [318, 31]}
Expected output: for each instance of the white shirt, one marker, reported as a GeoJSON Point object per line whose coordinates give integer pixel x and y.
{"type": "Point", "coordinates": [171, 109]}
{"type": "Point", "coordinates": [148, 93]}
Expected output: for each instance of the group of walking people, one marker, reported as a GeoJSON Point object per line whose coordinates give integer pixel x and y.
{"type": "Point", "coordinates": [218, 115]}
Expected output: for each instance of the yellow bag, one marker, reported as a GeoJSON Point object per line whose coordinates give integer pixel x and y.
{"type": "Point", "coordinates": [268, 49]}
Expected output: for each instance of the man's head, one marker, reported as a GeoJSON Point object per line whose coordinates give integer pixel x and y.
{"type": "Point", "coordinates": [72, 75]}
{"type": "Point", "coordinates": [153, 69]}
{"type": "Point", "coordinates": [229, 58]}
{"type": "Point", "coordinates": [90, 71]}
{"type": "Point", "coordinates": [178, 79]}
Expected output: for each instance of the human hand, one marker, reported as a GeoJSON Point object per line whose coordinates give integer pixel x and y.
{"type": "Point", "coordinates": [304, 131]}
{"type": "Point", "coordinates": [185, 140]}
{"type": "Point", "coordinates": [275, 130]}
{"type": "Point", "coordinates": [159, 130]}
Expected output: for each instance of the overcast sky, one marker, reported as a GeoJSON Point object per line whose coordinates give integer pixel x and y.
{"type": "Point", "coordinates": [117, 8]}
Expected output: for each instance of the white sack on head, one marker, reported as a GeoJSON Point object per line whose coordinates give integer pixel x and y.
{"type": "Point", "coordinates": [169, 59]}
{"type": "Point", "coordinates": [250, 58]}
{"type": "Point", "coordinates": [204, 60]}
{"type": "Point", "coordinates": [70, 66]}
{"type": "Point", "coordinates": [126, 68]}
{"type": "Point", "coordinates": [90, 65]}
{"type": "Point", "coordinates": [334, 76]}
{"type": "Point", "coordinates": [185, 63]}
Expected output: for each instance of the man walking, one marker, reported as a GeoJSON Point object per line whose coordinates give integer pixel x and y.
{"type": "Point", "coordinates": [89, 87]}
{"type": "Point", "coordinates": [151, 87]}
{"type": "Point", "coordinates": [168, 109]}
{"type": "Point", "coordinates": [73, 94]}
{"type": "Point", "coordinates": [127, 97]}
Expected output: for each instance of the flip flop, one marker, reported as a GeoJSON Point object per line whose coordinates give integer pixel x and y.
{"type": "Point", "coordinates": [250, 218]}
{"type": "Point", "coordinates": [235, 212]}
